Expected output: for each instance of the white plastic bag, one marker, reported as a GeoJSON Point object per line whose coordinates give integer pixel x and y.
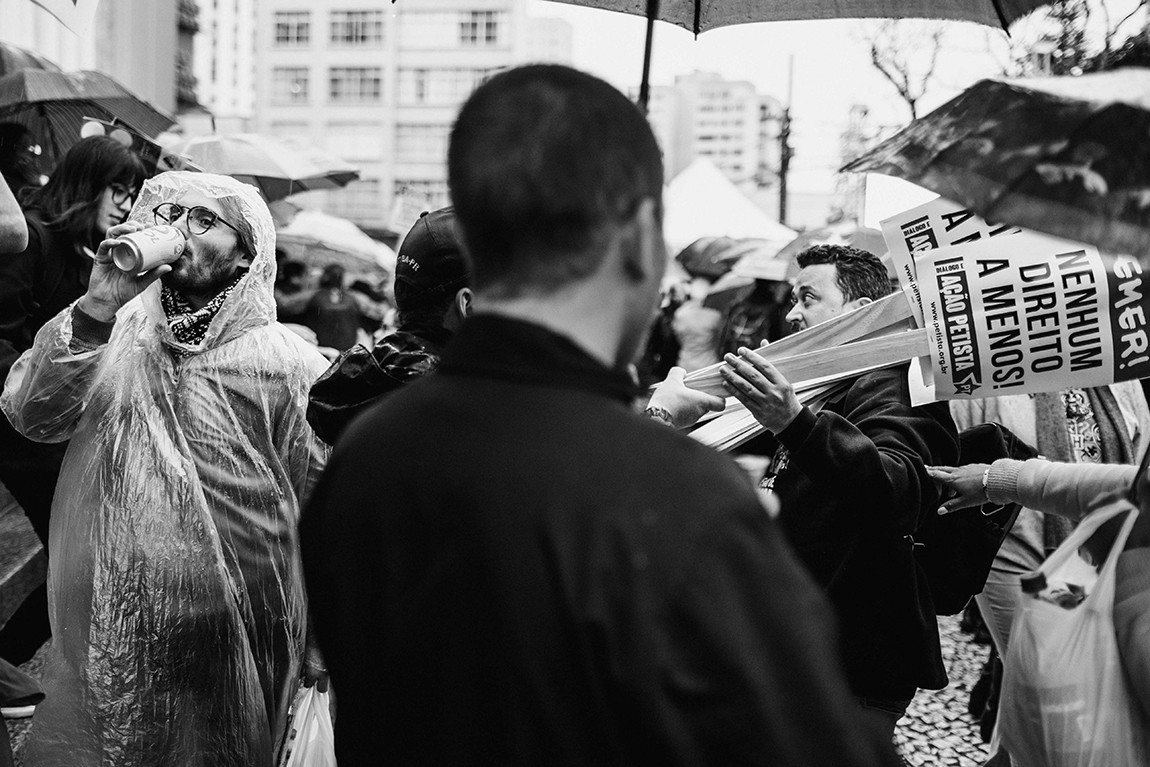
{"type": "Point", "coordinates": [1065, 700]}
{"type": "Point", "coordinates": [310, 740]}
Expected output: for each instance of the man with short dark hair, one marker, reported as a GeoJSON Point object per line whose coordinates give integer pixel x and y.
{"type": "Point", "coordinates": [432, 297]}
{"type": "Point", "coordinates": [852, 482]}
{"type": "Point", "coordinates": [509, 565]}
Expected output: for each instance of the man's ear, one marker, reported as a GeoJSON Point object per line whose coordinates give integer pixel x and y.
{"type": "Point", "coordinates": [642, 249]}
{"type": "Point", "coordinates": [463, 303]}
{"type": "Point", "coordinates": [857, 303]}
{"type": "Point", "coordinates": [245, 259]}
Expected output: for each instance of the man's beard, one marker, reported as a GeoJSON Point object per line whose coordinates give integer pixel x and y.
{"type": "Point", "coordinates": [210, 273]}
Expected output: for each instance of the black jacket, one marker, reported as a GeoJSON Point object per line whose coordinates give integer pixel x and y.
{"type": "Point", "coordinates": [507, 565]}
{"type": "Point", "coordinates": [35, 285]}
{"type": "Point", "coordinates": [852, 493]}
{"type": "Point", "coordinates": [359, 378]}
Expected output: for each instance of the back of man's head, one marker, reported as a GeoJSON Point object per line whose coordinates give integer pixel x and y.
{"type": "Point", "coordinates": [860, 274]}
{"type": "Point", "coordinates": [332, 276]}
{"type": "Point", "coordinates": [429, 268]}
{"type": "Point", "coordinates": [545, 162]}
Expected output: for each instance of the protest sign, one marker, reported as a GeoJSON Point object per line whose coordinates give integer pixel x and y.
{"type": "Point", "coordinates": [1030, 314]}
{"type": "Point", "coordinates": [924, 228]}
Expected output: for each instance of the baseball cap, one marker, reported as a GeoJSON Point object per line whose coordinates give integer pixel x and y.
{"type": "Point", "coordinates": [430, 263]}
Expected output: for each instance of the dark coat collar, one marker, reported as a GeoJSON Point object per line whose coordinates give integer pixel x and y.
{"type": "Point", "coordinates": [493, 346]}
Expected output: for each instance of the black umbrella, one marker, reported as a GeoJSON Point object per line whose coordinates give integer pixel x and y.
{"type": "Point", "coordinates": [701, 15]}
{"type": "Point", "coordinates": [278, 167]}
{"type": "Point", "coordinates": [55, 105]}
{"type": "Point", "coordinates": [709, 257]}
{"type": "Point", "coordinates": [1069, 156]}
{"type": "Point", "coordinates": [14, 58]}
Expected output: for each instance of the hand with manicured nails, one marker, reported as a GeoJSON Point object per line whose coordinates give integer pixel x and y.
{"type": "Point", "coordinates": [761, 388]}
{"type": "Point", "coordinates": [961, 484]}
{"type": "Point", "coordinates": [109, 288]}
{"type": "Point", "coordinates": [685, 405]}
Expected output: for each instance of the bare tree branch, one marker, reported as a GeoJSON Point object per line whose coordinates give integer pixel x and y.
{"type": "Point", "coordinates": [892, 49]}
{"type": "Point", "coordinates": [896, 78]}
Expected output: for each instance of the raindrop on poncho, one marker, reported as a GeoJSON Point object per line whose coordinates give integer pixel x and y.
{"type": "Point", "coordinates": [175, 593]}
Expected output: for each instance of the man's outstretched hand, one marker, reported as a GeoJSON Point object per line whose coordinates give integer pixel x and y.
{"type": "Point", "coordinates": [685, 405]}
{"type": "Point", "coordinates": [761, 388]}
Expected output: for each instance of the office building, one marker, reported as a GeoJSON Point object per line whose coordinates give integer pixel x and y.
{"type": "Point", "coordinates": [380, 85]}
{"type": "Point", "coordinates": [727, 122]}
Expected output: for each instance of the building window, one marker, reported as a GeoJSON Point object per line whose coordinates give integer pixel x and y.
{"type": "Point", "coordinates": [439, 87]}
{"type": "Point", "coordinates": [349, 85]}
{"type": "Point", "coordinates": [293, 28]}
{"type": "Point", "coordinates": [479, 28]}
{"type": "Point", "coordinates": [355, 141]}
{"type": "Point", "coordinates": [361, 201]}
{"type": "Point", "coordinates": [356, 27]}
{"type": "Point", "coordinates": [421, 142]}
{"type": "Point", "coordinates": [419, 86]}
{"type": "Point", "coordinates": [289, 85]}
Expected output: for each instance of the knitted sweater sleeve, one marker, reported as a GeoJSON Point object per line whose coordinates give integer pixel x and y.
{"type": "Point", "coordinates": [1067, 489]}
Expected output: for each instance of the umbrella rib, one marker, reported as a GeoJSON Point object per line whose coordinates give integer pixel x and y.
{"type": "Point", "coordinates": [1001, 16]}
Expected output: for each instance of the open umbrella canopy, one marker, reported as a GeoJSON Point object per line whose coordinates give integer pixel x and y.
{"type": "Point", "coordinates": [843, 233]}
{"type": "Point", "coordinates": [13, 59]}
{"type": "Point", "coordinates": [54, 106]}
{"type": "Point", "coordinates": [319, 239]}
{"type": "Point", "coordinates": [278, 167]}
{"type": "Point", "coordinates": [700, 15]}
{"type": "Point", "coordinates": [709, 257]}
{"type": "Point", "coordinates": [1064, 155]}
{"type": "Point", "coordinates": [759, 260]}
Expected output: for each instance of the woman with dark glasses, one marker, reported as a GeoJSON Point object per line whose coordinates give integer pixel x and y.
{"type": "Point", "coordinates": [91, 190]}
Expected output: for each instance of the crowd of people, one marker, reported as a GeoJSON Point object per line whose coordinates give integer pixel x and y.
{"type": "Point", "coordinates": [497, 546]}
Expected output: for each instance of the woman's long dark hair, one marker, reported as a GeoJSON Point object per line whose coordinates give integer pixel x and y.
{"type": "Point", "coordinates": [70, 200]}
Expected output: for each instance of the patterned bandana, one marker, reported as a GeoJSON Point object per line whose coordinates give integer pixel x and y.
{"type": "Point", "coordinates": [189, 325]}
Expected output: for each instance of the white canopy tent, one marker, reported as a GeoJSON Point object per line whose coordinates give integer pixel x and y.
{"type": "Point", "coordinates": [702, 202]}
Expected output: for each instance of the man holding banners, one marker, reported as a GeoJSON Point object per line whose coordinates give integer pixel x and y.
{"type": "Point", "coordinates": [852, 485]}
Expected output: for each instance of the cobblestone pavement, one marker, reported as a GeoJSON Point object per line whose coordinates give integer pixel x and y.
{"type": "Point", "coordinates": [937, 730]}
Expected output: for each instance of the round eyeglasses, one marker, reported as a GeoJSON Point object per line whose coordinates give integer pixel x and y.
{"type": "Point", "coordinates": [200, 219]}
{"type": "Point", "coordinates": [121, 194]}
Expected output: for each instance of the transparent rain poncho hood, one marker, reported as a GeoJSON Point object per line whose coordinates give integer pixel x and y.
{"type": "Point", "coordinates": [175, 592]}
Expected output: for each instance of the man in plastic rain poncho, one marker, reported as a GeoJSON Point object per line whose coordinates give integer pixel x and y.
{"type": "Point", "coordinates": [177, 605]}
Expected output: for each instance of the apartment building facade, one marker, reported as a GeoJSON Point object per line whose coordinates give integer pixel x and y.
{"type": "Point", "coordinates": [379, 84]}
{"type": "Point", "coordinates": [727, 122]}
{"type": "Point", "coordinates": [224, 63]}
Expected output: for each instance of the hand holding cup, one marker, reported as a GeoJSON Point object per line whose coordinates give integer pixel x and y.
{"type": "Point", "coordinates": [109, 287]}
